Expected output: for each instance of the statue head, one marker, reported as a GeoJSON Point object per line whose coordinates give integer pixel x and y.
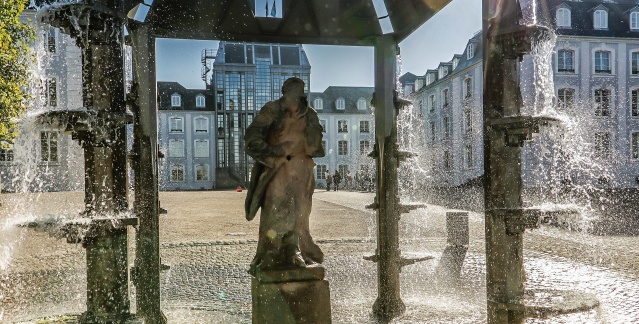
{"type": "Point", "coordinates": [293, 86]}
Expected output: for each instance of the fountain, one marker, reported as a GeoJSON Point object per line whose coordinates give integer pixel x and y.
{"type": "Point", "coordinates": [505, 132]}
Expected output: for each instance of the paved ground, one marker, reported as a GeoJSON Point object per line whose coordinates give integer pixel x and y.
{"type": "Point", "coordinates": [208, 244]}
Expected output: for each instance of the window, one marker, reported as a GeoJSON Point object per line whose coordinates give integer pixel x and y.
{"type": "Point", "coordinates": [51, 92]}
{"type": "Point", "coordinates": [324, 146]}
{"type": "Point", "coordinates": [176, 148]}
{"type": "Point", "coordinates": [177, 172]}
{"type": "Point", "coordinates": [445, 98]}
{"type": "Point", "coordinates": [634, 20]}
{"type": "Point", "coordinates": [565, 98]}
{"type": "Point", "coordinates": [200, 102]}
{"type": "Point", "coordinates": [201, 125]}
{"type": "Point", "coordinates": [50, 43]}
{"type": "Point", "coordinates": [323, 123]}
{"type": "Point", "coordinates": [201, 148]}
{"type": "Point", "coordinates": [176, 100]}
{"type": "Point", "coordinates": [221, 153]}
{"type": "Point", "coordinates": [202, 172]}
{"type": "Point", "coordinates": [634, 63]}
{"type": "Point", "coordinates": [343, 170]}
{"type": "Point", "coordinates": [49, 147]}
{"type": "Point", "coordinates": [433, 131]}
{"type": "Point", "coordinates": [431, 103]}
{"type": "Point", "coordinates": [602, 62]}
{"type": "Point", "coordinates": [469, 156]}
{"type": "Point", "coordinates": [565, 61]}
{"type": "Point", "coordinates": [342, 126]}
{"type": "Point", "coordinates": [447, 164]}
{"type": "Point", "coordinates": [342, 148]}
{"type": "Point", "coordinates": [468, 88]}
{"type": "Point", "coordinates": [446, 122]}
{"type": "Point", "coordinates": [340, 104]}
{"type": "Point", "coordinates": [635, 103]}
{"type": "Point", "coordinates": [469, 121]}
{"type": "Point", "coordinates": [318, 103]}
{"type": "Point", "coordinates": [443, 71]}
{"type": "Point", "coordinates": [319, 172]}
{"type": "Point", "coordinates": [176, 125]}
{"type": "Point", "coordinates": [602, 145]}
{"type": "Point", "coordinates": [361, 104]}
{"type": "Point", "coordinates": [563, 18]}
{"type": "Point", "coordinates": [602, 102]}
{"type": "Point", "coordinates": [363, 126]}
{"type": "Point", "coordinates": [6, 154]}
{"type": "Point", "coordinates": [364, 147]}
{"type": "Point", "coordinates": [601, 19]}
{"type": "Point", "coordinates": [635, 146]}
{"type": "Point", "coordinates": [470, 51]}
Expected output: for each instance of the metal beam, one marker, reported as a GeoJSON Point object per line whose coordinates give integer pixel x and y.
{"type": "Point", "coordinates": [389, 303]}
{"type": "Point", "coordinates": [145, 146]}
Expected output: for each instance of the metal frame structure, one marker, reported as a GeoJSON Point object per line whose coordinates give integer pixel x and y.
{"type": "Point", "coordinates": [329, 22]}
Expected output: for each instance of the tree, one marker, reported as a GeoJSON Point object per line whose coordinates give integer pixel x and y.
{"type": "Point", "coordinates": [15, 61]}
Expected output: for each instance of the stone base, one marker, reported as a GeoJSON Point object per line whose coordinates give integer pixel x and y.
{"type": "Point", "coordinates": [281, 302]}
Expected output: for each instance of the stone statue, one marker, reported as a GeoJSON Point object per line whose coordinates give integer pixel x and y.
{"type": "Point", "coordinates": [283, 139]}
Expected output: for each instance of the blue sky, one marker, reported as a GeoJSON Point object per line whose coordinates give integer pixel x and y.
{"type": "Point", "coordinates": [436, 41]}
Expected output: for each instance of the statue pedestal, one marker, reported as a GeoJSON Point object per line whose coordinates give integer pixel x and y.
{"type": "Point", "coordinates": [291, 296]}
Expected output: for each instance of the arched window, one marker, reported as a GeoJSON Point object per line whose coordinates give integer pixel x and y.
{"type": "Point", "coordinates": [176, 125]}
{"type": "Point", "coordinates": [634, 20]}
{"type": "Point", "coordinates": [563, 17]}
{"type": "Point", "coordinates": [565, 61]}
{"type": "Point", "coordinates": [468, 88]}
{"type": "Point", "coordinates": [202, 172]}
{"type": "Point", "coordinates": [470, 51]}
{"type": "Point", "coordinates": [342, 126]}
{"type": "Point", "coordinates": [340, 103]}
{"type": "Point", "coordinates": [176, 148]}
{"type": "Point", "coordinates": [176, 100]}
{"type": "Point", "coordinates": [201, 125]}
{"type": "Point", "coordinates": [201, 148]}
{"type": "Point", "coordinates": [318, 103]}
{"type": "Point", "coordinates": [601, 19]}
{"type": "Point", "coordinates": [200, 102]}
{"type": "Point", "coordinates": [361, 104]}
{"type": "Point", "coordinates": [177, 172]}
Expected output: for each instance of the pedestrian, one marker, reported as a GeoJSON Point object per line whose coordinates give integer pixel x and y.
{"type": "Point", "coordinates": [327, 175]}
{"type": "Point", "coordinates": [337, 178]}
{"type": "Point", "coordinates": [349, 180]}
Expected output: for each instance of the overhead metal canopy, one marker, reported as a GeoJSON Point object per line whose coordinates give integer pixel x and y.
{"type": "Point", "coordinates": [328, 22]}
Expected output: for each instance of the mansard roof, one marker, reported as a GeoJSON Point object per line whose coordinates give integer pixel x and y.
{"type": "Point", "coordinates": [582, 18]}
{"type": "Point", "coordinates": [350, 95]}
{"type": "Point", "coordinates": [167, 89]}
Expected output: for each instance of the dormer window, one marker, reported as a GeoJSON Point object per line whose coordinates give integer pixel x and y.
{"type": "Point", "coordinates": [176, 100]}
{"type": "Point", "coordinates": [318, 104]}
{"type": "Point", "coordinates": [340, 104]}
{"type": "Point", "coordinates": [601, 19]}
{"type": "Point", "coordinates": [470, 51]}
{"type": "Point", "coordinates": [429, 78]}
{"type": "Point", "coordinates": [455, 63]}
{"type": "Point", "coordinates": [443, 71]}
{"type": "Point", "coordinates": [634, 21]}
{"type": "Point", "coordinates": [200, 102]}
{"type": "Point", "coordinates": [361, 104]}
{"type": "Point", "coordinates": [563, 18]}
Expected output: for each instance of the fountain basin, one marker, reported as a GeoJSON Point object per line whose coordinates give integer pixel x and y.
{"type": "Point", "coordinates": [519, 129]}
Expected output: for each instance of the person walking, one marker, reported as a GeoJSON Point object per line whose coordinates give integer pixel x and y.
{"type": "Point", "coordinates": [337, 178]}
{"type": "Point", "coordinates": [327, 175]}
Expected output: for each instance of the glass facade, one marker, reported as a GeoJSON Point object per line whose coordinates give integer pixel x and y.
{"type": "Point", "coordinates": [249, 76]}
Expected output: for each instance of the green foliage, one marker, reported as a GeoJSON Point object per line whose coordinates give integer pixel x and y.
{"type": "Point", "coordinates": [15, 60]}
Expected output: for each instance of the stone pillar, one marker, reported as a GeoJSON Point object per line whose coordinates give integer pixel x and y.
{"type": "Point", "coordinates": [452, 260]}
{"type": "Point", "coordinates": [144, 157]}
{"type": "Point", "coordinates": [291, 296]}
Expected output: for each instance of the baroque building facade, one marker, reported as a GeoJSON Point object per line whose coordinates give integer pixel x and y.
{"type": "Point", "coordinates": [595, 69]}
{"type": "Point", "coordinates": [43, 159]}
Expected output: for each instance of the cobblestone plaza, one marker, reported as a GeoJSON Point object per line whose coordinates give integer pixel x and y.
{"type": "Point", "coordinates": [208, 245]}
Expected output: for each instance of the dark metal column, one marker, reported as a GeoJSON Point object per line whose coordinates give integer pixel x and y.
{"type": "Point", "coordinates": [389, 303]}
{"type": "Point", "coordinates": [145, 148]}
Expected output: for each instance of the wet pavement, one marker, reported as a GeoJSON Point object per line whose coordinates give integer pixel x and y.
{"type": "Point", "coordinates": [207, 280]}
